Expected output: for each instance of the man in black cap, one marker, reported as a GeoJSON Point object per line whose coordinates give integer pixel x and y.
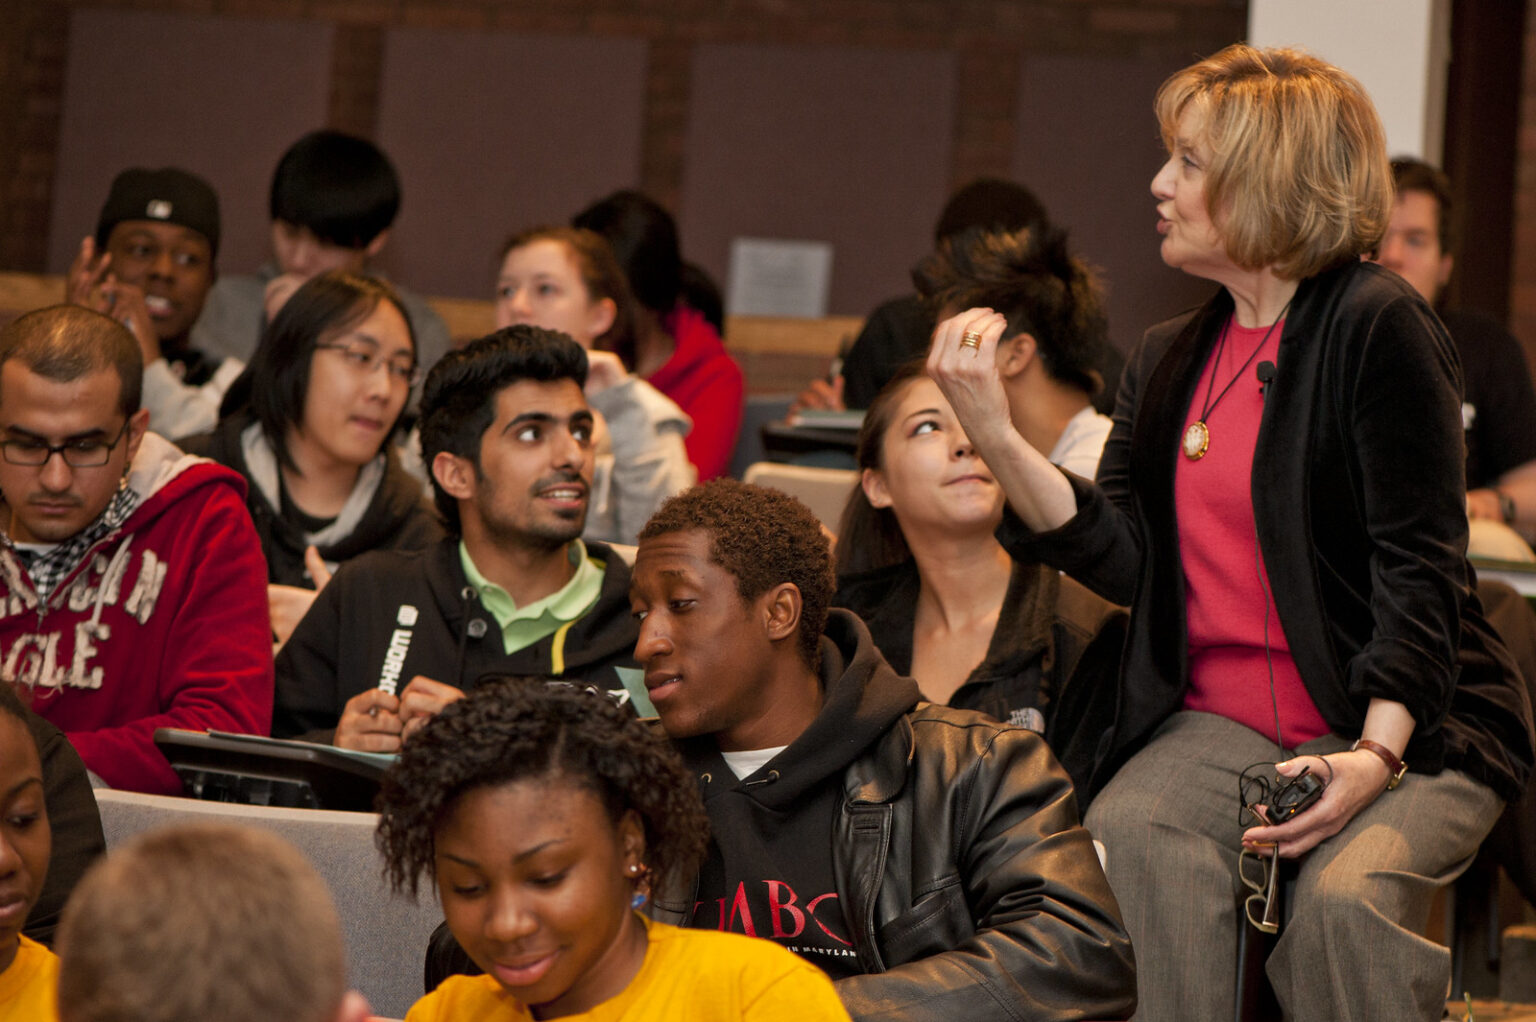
{"type": "Point", "coordinates": [150, 267]}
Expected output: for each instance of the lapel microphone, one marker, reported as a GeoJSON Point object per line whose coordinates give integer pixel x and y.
{"type": "Point", "coordinates": [1265, 371]}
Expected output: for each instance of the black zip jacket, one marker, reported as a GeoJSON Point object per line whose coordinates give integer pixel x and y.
{"type": "Point", "coordinates": [391, 615]}
{"type": "Point", "coordinates": [1056, 650]}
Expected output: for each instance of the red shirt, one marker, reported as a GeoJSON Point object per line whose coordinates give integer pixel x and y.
{"type": "Point", "coordinates": [707, 384]}
{"type": "Point", "coordinates": [1231, 616]}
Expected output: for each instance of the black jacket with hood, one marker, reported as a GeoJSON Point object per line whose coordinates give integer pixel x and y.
{"type": "Point", "coordinates": [968, 886]}
{"type": "Point", "coordinates": [1055, 652]}
{"type": "Point", "coordinates": [395, 516]}
{"type": "Point", "coordinates": [390, 615]}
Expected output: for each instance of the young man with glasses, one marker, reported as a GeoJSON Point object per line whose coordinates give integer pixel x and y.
{"type": "Point", "coordinates": [506, 432]}
{"type": "Point", "coordinates": [132, 587]}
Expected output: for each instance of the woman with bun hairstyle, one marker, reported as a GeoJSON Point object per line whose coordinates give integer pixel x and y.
{"type": "Point", "coordinates": [916, 554]}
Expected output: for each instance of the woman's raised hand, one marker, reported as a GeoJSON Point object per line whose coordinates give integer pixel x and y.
{"type": "Point", "coordinates": [963, 361]}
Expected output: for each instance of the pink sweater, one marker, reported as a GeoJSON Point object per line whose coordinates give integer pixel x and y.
{"type": "Point", "coordinates": [1226, 586]}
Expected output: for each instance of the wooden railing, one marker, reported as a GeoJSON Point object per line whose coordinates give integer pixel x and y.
{"type": "Point", "coordinates": [778, 355]}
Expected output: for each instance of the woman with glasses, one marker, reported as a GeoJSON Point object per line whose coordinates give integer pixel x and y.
{"type": "Point", "coordinates": [1281, 502]}
{"type": "Point", "coordinates": [309, 423]}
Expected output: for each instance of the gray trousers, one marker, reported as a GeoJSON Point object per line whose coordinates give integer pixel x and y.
{"type": "Point", "coordinates": [1352, 948]}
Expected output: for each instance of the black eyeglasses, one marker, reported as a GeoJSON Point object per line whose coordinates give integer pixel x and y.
{"type": "Point", "coordinates": [33, 451]}
{"type": "Point", "coordinates": [367, 360]}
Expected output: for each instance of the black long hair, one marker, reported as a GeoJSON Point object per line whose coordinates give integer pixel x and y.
{"type": "Point", "coordinates": [274, 385]}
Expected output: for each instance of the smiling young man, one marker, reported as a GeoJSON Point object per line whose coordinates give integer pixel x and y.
{"type": "Point", "coordinates": [150, 266]}
{"type": "Point", "coordinates": [132, 587]}
{"type": "Point", "coordinates": [507, 434]}
{"type": "Point", "coordinates": [929, 859]}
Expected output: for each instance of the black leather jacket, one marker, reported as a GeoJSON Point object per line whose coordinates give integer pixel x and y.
{"type": "Point", "coordinates": [969, 887]}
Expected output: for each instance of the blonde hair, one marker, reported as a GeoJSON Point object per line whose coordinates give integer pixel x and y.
{"type": "Point", "coordinates": [201, 921]}
{"type": "Point", "coordinates": [1298, 178]}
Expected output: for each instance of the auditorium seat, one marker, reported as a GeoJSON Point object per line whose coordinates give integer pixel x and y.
{"type": "Point", "coordinates": [386, 934]}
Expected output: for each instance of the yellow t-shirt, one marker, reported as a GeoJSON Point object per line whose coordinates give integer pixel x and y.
{"type": "Point", "coordinates": [27, 988]}
{"type": "Point", "coordinates": [692, 975]}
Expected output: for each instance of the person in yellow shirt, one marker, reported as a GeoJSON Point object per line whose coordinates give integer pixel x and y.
{"type": "Point", "coordinates": [27, 969]}
{"type": "Point", "coordinates": [545, 812]}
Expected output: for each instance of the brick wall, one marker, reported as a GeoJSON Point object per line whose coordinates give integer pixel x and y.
{"type": "Point", "coordinates": [1522, 292]}
{"type": "Point", "coordinates": [986, 36]}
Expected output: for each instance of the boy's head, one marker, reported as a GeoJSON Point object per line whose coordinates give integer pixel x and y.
{"type": "Point", "coordinates": [25, 841]}
{"type": "Point", "coordinates": [1419, 244]}
{"type": "Point", "coordinates": [731, 583]}
{"type": "Point", "coordinates": [70, 421]}
{"type": "Point", "coordinates": [203, 921]}
{"type": "Point", "coordinates": [334, 197]}
{"type": "Point", "coordinates": [506, 433]}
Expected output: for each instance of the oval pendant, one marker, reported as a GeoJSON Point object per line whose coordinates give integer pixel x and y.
{"type": "Point", "coordinates": [1196, 439]}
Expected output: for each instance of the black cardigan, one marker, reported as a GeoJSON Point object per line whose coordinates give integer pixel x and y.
{"type": "Point", "coordinates": [1359, 502]}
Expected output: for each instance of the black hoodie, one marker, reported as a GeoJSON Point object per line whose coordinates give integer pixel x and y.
{"type": "Point", "coordinates": [769, 870]}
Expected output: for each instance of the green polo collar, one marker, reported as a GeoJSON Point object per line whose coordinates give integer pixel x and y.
{"type": "Point", "coordinates": [523, 626]}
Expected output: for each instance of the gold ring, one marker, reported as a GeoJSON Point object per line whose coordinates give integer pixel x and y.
{"type": "Point", "coordinates": [970, 339]}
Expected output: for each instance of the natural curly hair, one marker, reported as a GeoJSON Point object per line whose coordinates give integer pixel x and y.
{"type": "Point", "coordinates": [763, 537]}
{"type": "Point", "coordinates": [514, 729]}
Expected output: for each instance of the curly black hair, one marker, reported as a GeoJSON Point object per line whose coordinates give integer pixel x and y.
{"type": "Point", "coordinates": [763, 537]}
{"type": "Point", "coordinates": [513, 729]}
{"type": "Point", "coordinates": [1030, 277]}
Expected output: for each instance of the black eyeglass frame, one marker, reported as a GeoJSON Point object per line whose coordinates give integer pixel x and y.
{"type": "Point", "coordinates": [8, 450]}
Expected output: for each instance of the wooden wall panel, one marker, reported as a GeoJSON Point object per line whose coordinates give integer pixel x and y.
{"type": "Point", "coordinates": [493, 132]}
{"type": "Point", "coordinates": [1088, 145]}
{"type": "Point", "coordinates": [825, 143]}
{"type": "Point", "coordinates": [220, 96]}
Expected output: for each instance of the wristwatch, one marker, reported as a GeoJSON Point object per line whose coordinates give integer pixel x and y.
{"type": "Point", "coordinates": [1395, 767]}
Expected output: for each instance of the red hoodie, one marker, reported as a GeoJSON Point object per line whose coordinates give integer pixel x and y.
{"type": "Point", "coordinates": [707, 384]}
{"type": "Point", "coordinates": [162, 624]}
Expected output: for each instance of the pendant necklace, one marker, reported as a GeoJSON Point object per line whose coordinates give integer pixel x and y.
{"type": "Point", "coordinates": [1197, 438]}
